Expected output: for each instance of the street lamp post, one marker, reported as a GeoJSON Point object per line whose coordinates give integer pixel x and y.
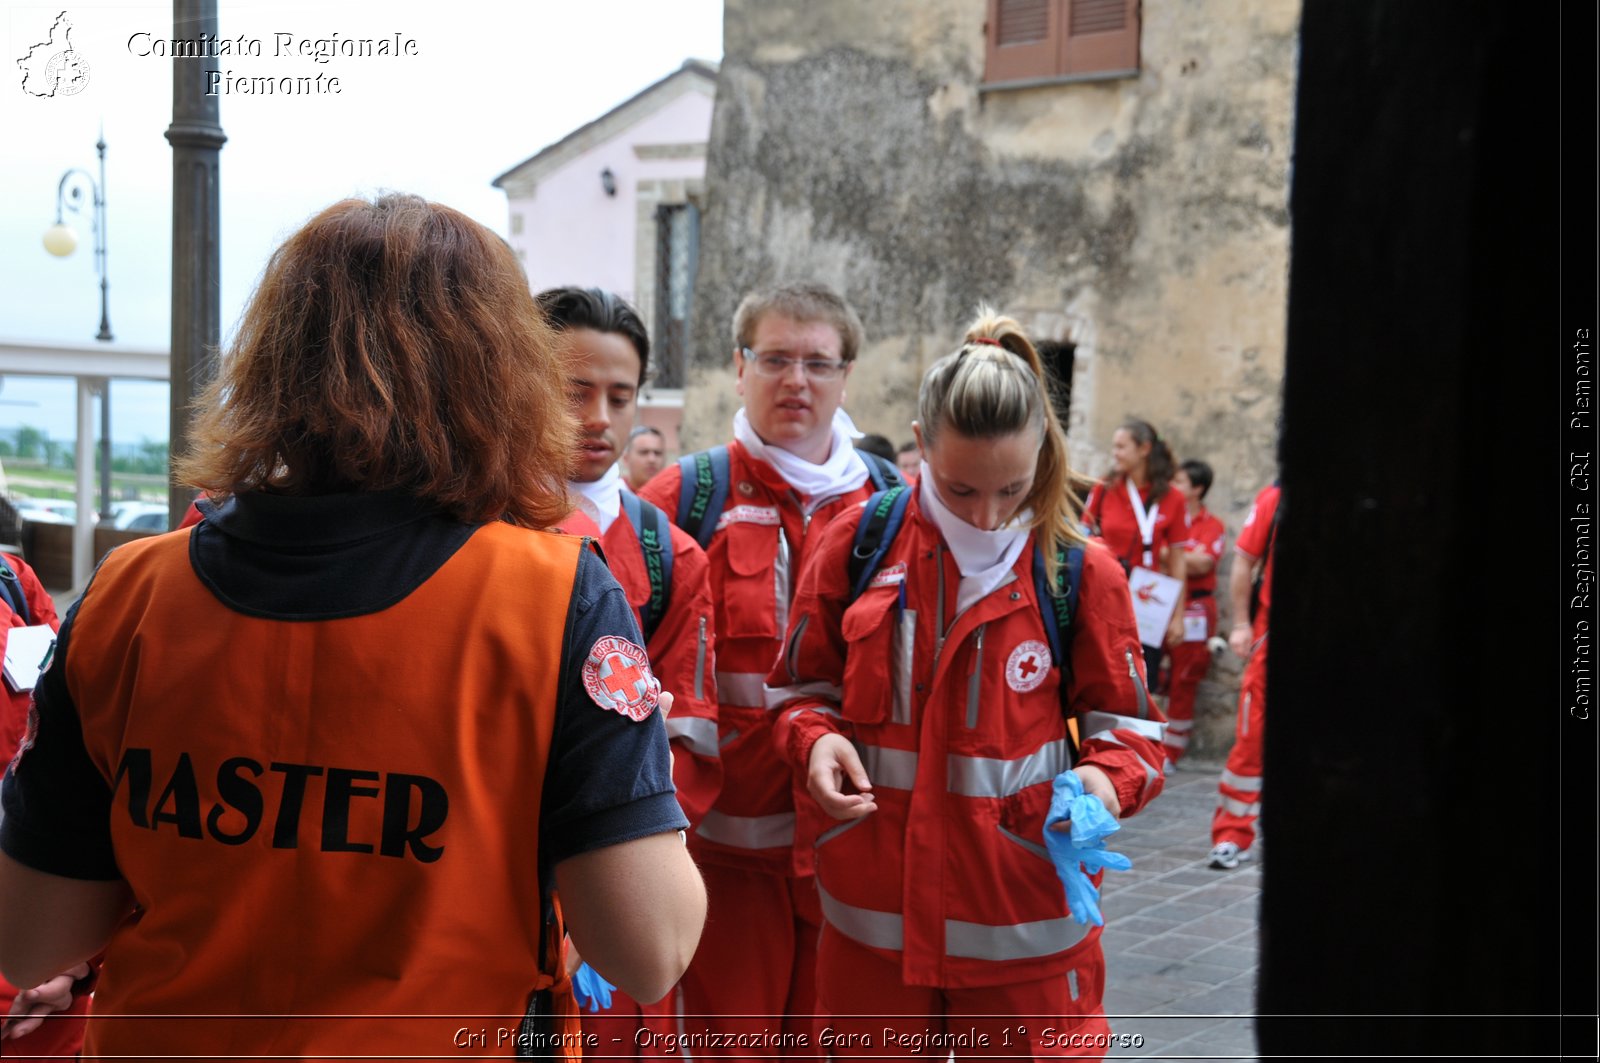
{"type": "Point", "coordinates": [60, 240]}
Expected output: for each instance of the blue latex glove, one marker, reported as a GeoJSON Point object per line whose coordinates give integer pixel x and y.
{"type": "Point", "coordinates": [592, 991]}
{"type": "Point", "coordinates": [1081, 852]}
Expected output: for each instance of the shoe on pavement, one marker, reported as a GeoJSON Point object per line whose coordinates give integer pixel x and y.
{"type": "Point", "coordinates": [1225, 856]}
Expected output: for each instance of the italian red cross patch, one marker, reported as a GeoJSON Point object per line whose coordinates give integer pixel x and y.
{"type": "Point", "coordinates": [617, 676]}
{"type": "Point", "coordinates": [1027, 666]}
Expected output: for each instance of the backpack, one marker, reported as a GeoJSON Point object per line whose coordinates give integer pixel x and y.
{"type": "Point", "coordinates": [655, 543]}
{"type": "Point", "coordinates": [708, 470]}
{"type": "Point", "coordinates": [11, 590]}
{"type": "Point", "coordinates": [885, 513]}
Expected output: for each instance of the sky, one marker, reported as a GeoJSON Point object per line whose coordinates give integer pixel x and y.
{"type": "Point", "coordinates": [486, 85]}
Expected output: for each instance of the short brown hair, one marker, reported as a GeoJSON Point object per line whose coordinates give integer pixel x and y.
{"type": "Point", "coordinates": [392, 345]}
{"type": "Point", "coordinates": [806, 303]}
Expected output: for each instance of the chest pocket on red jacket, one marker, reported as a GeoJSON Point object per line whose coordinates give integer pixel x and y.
{"type": "Point", "coordinates": [879, 642]}
{"type": "Point", "coordinates": [749, 605]}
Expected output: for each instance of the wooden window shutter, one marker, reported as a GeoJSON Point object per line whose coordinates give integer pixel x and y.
{"type": "Point", "coordinates": [1099, 35]}
{"type": "Point", "coordinates": [1023, 39]}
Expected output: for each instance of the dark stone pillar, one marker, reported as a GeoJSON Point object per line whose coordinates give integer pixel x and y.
{"type": "Point", "coordinates": [1413, 786]}
{"type": "Point", "coordinates": [196, 137]}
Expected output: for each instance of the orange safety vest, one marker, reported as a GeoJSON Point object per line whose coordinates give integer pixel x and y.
{"type": "Point", "coordinates": [330, 826]}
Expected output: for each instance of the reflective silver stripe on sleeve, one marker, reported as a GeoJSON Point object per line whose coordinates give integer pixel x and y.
{"type": "Point", "coordinates": [990, 777]}
{"type": "Point", "coordinates": [747, 832]}
{"type": "Point", "coordinates": [1095, 724]}
{"type": "Point", "coordinates": [1138, 685]}
{"type": "Point", "coordinates": [1240, 808]}
{"type": "Point", "coordinates": [1150, 773]}
{"type": "Point", "coordinates": [743, 689]}
{"type": "Point", "coordinates": [894, 768]}
{"type": "Point", "coordinates": [1019, 941]}
{"type": "Point", "coordinates": [777, 697]}
{"type": "Point", "coordinates": [697, 732]}
{"type": "Point", "coordinates": [1241, 782]}
{"type": "Point", "coordinates": [1179, 727]}
{"type": "Point", "coordinates": [881, 930]}
{"type": "Point", "coordinates": [818, 709]}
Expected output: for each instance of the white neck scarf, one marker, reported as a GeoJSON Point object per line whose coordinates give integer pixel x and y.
{"type": "Point", "coordinates": [844, 471]}
{"type": "Point", "coordinates": [601, 499]}
{"type": "Point", "coordinates": [985, 558]}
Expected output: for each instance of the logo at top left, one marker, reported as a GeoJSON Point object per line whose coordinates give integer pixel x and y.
{"type": "Point", "coordinates": [53, 67]}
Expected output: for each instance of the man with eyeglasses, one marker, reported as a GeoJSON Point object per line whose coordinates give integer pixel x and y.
{"type": "Point", "coordinates": [760, 505]}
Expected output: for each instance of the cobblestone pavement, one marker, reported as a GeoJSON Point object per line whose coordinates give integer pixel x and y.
{"type": "Point", "coordinates": [1180, 937]}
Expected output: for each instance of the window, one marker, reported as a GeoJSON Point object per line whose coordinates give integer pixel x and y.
{"type": "Point", "coordinates": [1032, 41]}
{"type": "Point", "coordinates": [677, 262]}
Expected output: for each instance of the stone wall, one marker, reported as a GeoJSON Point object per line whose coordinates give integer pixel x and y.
{"type": "Point", "coordinates": [1143, 218]}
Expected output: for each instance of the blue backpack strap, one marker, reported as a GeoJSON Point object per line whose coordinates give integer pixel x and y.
{"type": "Point", "coordinates": [11, 590]}
{"type": "Point", "coordinates": [1057, 606]}
{"type": "Point", "coordinates": [655, 543]}
{"type": "Point", "coordinates": [703, 492]}
{"type": "Point", "coordinates": [885, 511]}
{"type": "Point", "coordinates": [880, 473]}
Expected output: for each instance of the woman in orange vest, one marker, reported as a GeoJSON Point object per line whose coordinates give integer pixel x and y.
{"type": "Point", "coordinates": [324, 773]}
{"type": "Point", "coordinates": [924, 704]}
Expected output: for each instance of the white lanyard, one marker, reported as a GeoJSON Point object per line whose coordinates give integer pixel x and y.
{"type": "Point", "coordinates": [1145, 518]}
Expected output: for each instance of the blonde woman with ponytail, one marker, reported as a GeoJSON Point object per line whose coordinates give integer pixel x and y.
{"type": "Point", "coordinates": [919, 696]}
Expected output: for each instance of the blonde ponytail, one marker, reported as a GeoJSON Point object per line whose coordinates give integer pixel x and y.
{"type": "Point", "coordinates": [996, 385]}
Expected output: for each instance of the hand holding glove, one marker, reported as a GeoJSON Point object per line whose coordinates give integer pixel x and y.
{"type": "Point", "coordinates": [1080, 851]}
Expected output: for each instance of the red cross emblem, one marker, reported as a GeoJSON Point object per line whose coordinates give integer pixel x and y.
{"type": "Point", "coordinates": [622, 676]}
{"type": "Point", "coordinates": [617, 675]}
{"type": "Point", "coordinates": [1027, 666]}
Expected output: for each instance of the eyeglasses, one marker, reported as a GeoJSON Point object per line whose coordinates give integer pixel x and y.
{"type": "Point", "coordinates": [777, 366]}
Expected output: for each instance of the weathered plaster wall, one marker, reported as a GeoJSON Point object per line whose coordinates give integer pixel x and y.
{"type": "Point", "coordinates": [1144, 218]}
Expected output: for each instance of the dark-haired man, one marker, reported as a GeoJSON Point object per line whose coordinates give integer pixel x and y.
{"type": "Point", "coordinates": [644, 455]}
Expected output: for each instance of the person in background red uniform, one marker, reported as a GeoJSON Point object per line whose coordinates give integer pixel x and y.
{"type": "Point", "coordinates": [928, 716]}
{"type": "Point", "coordinates": [1191, 656]}
{"type": "Point", "coordinates": [1137, 512]}
{"type": "Point", "coordinates": [1239, 798]}
{"type": "Point", "coordinates": [608, 360]}
{"type": "Point", "coordinates": [46, 1020]}
{"type": "Point", "coordinates": [644, 455]}
{"type": "Point", "coordinates": [791, 469]}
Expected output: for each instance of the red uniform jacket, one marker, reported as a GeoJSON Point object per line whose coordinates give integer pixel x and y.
{"type": "Point", "coordinates": [1253, 543]}
{"type": "Point", "coordinates": [1205, 533]}
{"type": "Point", "coordinates": [407, 779]}
{"type": "Point", "coordinates": [682, 653]}
{"type": "Point", "coordinates": [58, 1036]}
{"type": "Point", "coordinates": [1109, 513]}
{"type": "Point", "coordinates": [762, 539]}
{"type": "Point", "coordinates": [962, 738]}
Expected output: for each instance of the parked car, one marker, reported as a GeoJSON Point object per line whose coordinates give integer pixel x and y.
{"type": "Point", "coordinates": [48, 510]}
{"type": "Point", "coordinates": [139, 516]}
